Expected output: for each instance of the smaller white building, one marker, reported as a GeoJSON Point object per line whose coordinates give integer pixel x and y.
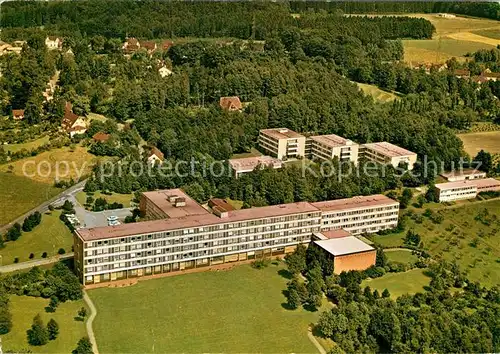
{"type": "Point", "coordinates": [466, 189]}
{"type": "Point", "coordinates": [53, 42]}
{"type": "Point", "coordinates": [387, 153]}
{"type": "Point", "coordinates": [248, 164]}
{"type": "Point", "coordinates": [462, 175]}
{"type": "Point", "coordinates": [155, 156]}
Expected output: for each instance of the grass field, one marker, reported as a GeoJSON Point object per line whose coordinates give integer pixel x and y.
{"type": "Point", "coordinates": [24, 308]}
{"type": "Point", "coordinates": [28, 145]}
{"type": "Point", "coordinates": [20, 194]}
{"type": "Point", "coordinates": [474, 142]}
{"type": "Point", "coordinates": [461, 238]}
{"type": "Point", "coordinates": [252, 153]}
{"type": "Point", "coordinates": [401, 256]}
{"type": "Point", "coordinates": [48, 237]}
{"type": "Point", "coordinates": [409, 282]}
{"type": "Point", "coordinates": [377, 94]}
{"type": "Point", "coordinates": [490, 33]}
{"type": "Point", "coordinates": [238, 310]}
{"type": "Point", "coordinates": [45, 166]}
{"type": "Point", "coordinates": [124, 199]}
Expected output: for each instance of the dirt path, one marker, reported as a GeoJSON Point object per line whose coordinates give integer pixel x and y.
{"type": "Point", "coordinates": [93, 314]}
{"type": "Point", "coordinates": [315, 342]}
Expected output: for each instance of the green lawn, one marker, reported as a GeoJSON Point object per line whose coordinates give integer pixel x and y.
{"type": "Point", "coordinates": [124, 199]}
{"type": "Point", "coordinates": [377, 93]}
{"type": "Point", "coordinates": [48, 237]}
{"type": "Point", "coordinates": [401, 256]}
{"type": "Point", "coordinates": [24, 308]}
{"type": "Point", "coordinates": [409, 282]}
{"type": "Point", "coordinates": [238, 310]}
{"type": "Point", "coordinates": [21, 194]}
{"type": "Point", "coordinates": [491, 33]}
{"type": "Point", "coordinates": [252, 153]}
{"type": "Point", "coordinates": [460, 237]}
{"type": "Point", "coordinates": [28, 145]}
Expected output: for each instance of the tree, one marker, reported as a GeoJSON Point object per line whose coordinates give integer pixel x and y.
{"type": "Point", "coordinates": [14, 232]}
{"type": "Point", "coordinates": [485, 161]}
{"type": "Point", "coordinates": [293, 299]}
{"type": "Point", "coordinates": [61, 251]}
{"type": "Point", "coordinates": [405, 198]}
{"type": "Point", "coordinates": [37, 334]}
{"type": "Point", "coordinates": [386, 293]}
{"type": "Point", "coordinates": [381, 260]}
{"type": "Point", "coordinates": [296, 261]}
{"type": "Point", "coordinates": [54, 302]}
{"type": "Point", "coordinates": [83, 347]}
{"type": "Point", "coordinates": [82, 313]}
{"type": "Point", "coordinates": [52, 329]}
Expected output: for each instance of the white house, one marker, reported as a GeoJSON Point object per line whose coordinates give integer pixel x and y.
{"type": "Point", "coordinates": [164, 71]}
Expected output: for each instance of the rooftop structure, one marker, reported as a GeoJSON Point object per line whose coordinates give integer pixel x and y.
{"type": "Point", "coordinates": [101, 137]}
{"type": "Point", "coordinates": [344, 246]}
{"type": "Point", "coordinates": [232, 103]}
{"type": "Point", "coordinates": [327, 147]}
{"type": "Point", "coordinates": [355, 203]}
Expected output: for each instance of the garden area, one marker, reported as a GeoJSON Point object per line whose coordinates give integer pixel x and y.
{"type": "Point", "coordinates": [237, 310]}
{"type": "Point", "coordinates": [465, 233]}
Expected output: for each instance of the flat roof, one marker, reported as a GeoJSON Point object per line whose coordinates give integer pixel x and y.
{"type": "Point", "coordinates": [250, 163]}
{"type": "Point", "coordinates": [479, 183]}
{"type": "Point", "coordinates": [331, 140]}
{"type": "Point", "coordinates": [339, 233]}
{"type": "Point", "coordinates": [457, 184]}
{"type": "Point", "coordinates": [463, 172]}
{"type": "Point", "coordinates": [161, 200]}
{"type": "Point", "coordinates": [355, 202]}
{"type": "Point", "coordinates": [281, 133]}
{"type": "Point", "coordinates": [206, 219]}
{"type": "Point", "coordinates": [388, 149]}
{"type": "Point", "coordinates": [344, 246]}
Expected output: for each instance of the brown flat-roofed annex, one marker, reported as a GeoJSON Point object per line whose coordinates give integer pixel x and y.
{"type": "Point", "coordinates": [388, 149]}
{"type": "Point", "coordinates": [250, 163]}
{"type": "Point", "coordinates": [281, 133]}
{"type": "Point", "coordinates": [355, 203]}
{"type": "Point", "coordinates": [201, 220]}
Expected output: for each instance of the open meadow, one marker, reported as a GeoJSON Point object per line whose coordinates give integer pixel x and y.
{"type": "Point", "coordinates": [30, 145]}
{"type": "Point", "coordinates": [48, 237]}
{"type": "Point", "coordinates": [378, 94]}
{"type": "Point", "coordinates": [475, 142]}
{"type": "Point", "coordinates": [43, 167]}
{"type": "Point", "coordinates": [24, 308]}
{"type": "Point", "coordinates": [21, 194]}
{"type": "Point", "coordinates": [467, 235]}
{"type": "Point", "coordinates": [409, 282]}
{"type": "Point", "coordinates": [237, 310]}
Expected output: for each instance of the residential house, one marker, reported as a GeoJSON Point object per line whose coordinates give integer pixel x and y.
{"type": "Point", "coordinates": [150, 46]}
{"type": "Point", "coordinates": [18, 114]}
{"type": "Point", "coordinates": [53, 42]}
{"type": "Point", "coordinates": [462, 73]}
{"type": "Point", "coordinates": [131, 45]}
{"type": "Point", "coordinates": [155, 156]}
{"type": "Point", "coordinates": [72, 123]}
{"type": "Point", "coordinates": [164, 71]}
{"type": "Point", "coordinates": [166, 45]}
{"type": "Point", "coordinates": [101, 137]}
{"type": "Point", "coordinates": [232, 103]}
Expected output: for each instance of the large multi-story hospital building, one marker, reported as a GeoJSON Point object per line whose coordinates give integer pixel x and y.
{"type": "Point", "coordinates": [181, 234]}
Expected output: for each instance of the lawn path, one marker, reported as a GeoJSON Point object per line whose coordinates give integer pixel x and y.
{"type": "Point", "coordinates": [93, 313]}
{"type": "Point", "coordinates": [315, 342]}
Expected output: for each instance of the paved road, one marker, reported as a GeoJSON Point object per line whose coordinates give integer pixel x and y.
{"type": "Point", "coordinates": [30, 264]}
{"type": "Point", "coordinates": [42, 208]}
{"type": "Point", "coordinates": [93, 313]}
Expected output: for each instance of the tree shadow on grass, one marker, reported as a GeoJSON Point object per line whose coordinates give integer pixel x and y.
{"type": "Point", "coordinates": [287, 306]}
{"type": "Point", "coordinates": [78, 318]}
{"type": "Point", "coordinates": [285, 274]}
{"type": "Point", "coordinates": [310, 308]}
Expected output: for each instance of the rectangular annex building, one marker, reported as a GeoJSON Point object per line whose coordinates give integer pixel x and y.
{"type": "Point", "coordinates": [466, 189]}
{"type": "Point", "coordinates": [348, 253]}
{"type": "Point", "coordinates": [326, 147]}
{"type": "Point", "coordinates": [180, 234]}
{"type": "Point", "coordinates": [387, 153]}
{"type": "Point", "coordinates": [282, 143]}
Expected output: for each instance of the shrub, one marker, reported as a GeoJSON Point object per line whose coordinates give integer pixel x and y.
{"type": "Point", "coordinates": [44, 255]}
{"type": "Point", "coordinates": [61, 251]}
{"type": "Point", "coordinates": [31, 256]}
{"type": "Point", "coordinates": [16, 260]}
{"type": "Point", "coordinates": [260, 263]}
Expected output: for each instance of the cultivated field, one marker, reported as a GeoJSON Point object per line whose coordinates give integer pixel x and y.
{"type": "Point", "coordinates": [472, 243]}
{"type": "Point", "coordinates": [20, 194]}
{"type": "Point", "coordinates": [48, 237]}
{"type": "Point", "coordinates": [475, 142]}
{"type": "Point", "coordinates": [492, 33]}
{"type": "Point", "coordinates": [377, 93]}
{"type": "Point", "coordinates": [43, 167]}
{"type": "Point", "coordinates": [454, 37]}
{"type": "Point", "coordinates": [24, 308]}
{"type": "Point", "coordinates": [409, 282]}
{"type": "Point", "coordinates": [238, 310]}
